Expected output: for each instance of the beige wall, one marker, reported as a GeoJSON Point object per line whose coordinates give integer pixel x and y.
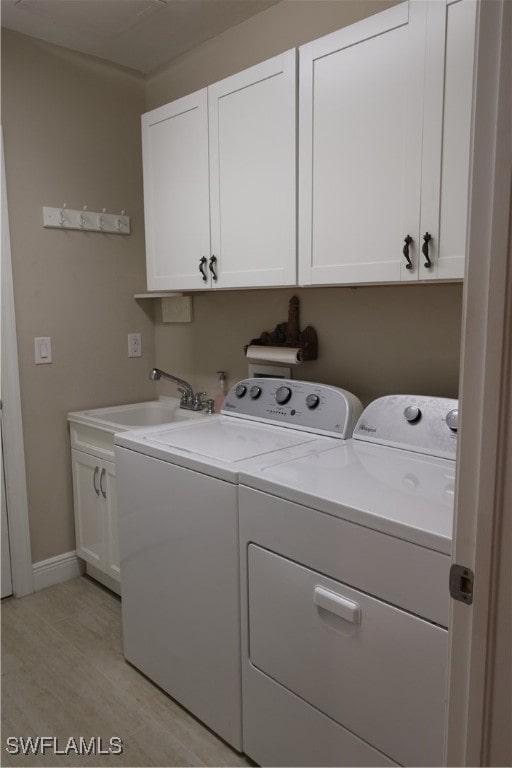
{"type": "Point", "coordinates": [285, 25]}
{"type": "Point", "coordinates": [373, 340]}
{"type": "Point", "coordinates": [71, 126]}
{"type": "Point", "coordinates": [71, 131]}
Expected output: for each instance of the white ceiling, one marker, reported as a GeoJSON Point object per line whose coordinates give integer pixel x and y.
{"type": "Point", "coordinates": [141, 34]}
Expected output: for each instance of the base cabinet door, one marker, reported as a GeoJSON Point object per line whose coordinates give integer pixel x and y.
{"type": "Point", "coordinates": [89, 529]}
{"type": "Point", "coordinates": [108, 487]}
{"type": "Point", "coordinates": [95, 504]}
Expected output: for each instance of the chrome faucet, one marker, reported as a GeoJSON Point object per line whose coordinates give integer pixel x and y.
{"type": "Point", "coordinates": [189, 399]}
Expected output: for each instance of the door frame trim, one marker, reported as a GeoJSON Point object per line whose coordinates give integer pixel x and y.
{"type": "Point", "coordinates": [12, 424]}
{"type": "Point", "coordinates": [483, 393]}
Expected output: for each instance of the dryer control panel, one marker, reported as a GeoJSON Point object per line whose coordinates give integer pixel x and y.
{"type": "Point", "coordinates": [413, 422]}
{"type": "Point", "coordinates": [304, 405]}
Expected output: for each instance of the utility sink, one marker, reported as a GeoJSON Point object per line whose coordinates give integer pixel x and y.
{"type": "Point", "coordinates": [166, 410]}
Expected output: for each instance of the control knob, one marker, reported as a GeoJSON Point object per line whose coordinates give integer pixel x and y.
{"type": "Point", "coordinates": [240, 390]}
{"type": "Point", "coordinates": [283, 394]}
{"type": "Point", "coordinates": [452, 419]}
{"type": "Point", "coordinates": [254, 392]}
{"type": "Point", "coordinates": [312, 401]}
{"type": "Point", "coordinates": [412, 413]}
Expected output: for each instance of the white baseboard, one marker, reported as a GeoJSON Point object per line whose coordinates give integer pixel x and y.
{"type": "Point", "coordinates": [56, 569]}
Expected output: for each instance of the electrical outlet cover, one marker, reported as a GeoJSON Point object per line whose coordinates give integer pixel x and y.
{"type": "Point", "coordinates": [134, 345]}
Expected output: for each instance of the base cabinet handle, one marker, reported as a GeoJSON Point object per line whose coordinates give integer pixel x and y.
{"type": "Point", "coordinates": [102, 476]}
{"type": "Point", "coordinates": [96, 489]}
{"type": "Point", "coordinates": [337, 604]}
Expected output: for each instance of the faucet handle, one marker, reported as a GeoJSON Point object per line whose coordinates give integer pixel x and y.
{"type": "Point", "coordinates": [197, 400]}
{"type": "Point", "coordinates": [184, 400]}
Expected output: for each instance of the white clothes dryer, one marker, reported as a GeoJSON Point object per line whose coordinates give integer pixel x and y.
{"type": "Point", "coordinates": [345, 558]}
{"type": "Point", "coordinates": [178, 526]}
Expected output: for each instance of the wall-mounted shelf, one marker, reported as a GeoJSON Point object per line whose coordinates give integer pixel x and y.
{"type": "Point", "coordinates": [87, 221]}
{"type": "Point", "coordinates": [155, 295]}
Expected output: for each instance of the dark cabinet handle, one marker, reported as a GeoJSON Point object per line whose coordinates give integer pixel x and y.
{"type": "Point", "coordinates": [407, 241]}
{"type": "Point", "coordinates": [202, 263]}
{"type": "Point", "coordinates": [424, 249]}
{"type": "Point", "coordinates": [103, 492]}
{"type": "Point", "coordinates": [211, 265]}
{"type": "Point", "coordinates": [96, 489]}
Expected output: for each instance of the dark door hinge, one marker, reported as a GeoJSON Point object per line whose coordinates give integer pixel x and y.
{"type": "Point", "coordinates": [461, 583]}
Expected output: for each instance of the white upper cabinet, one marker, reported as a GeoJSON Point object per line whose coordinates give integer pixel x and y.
{"type": "Point", "coordinates": [384, 121]}
{"type": "Point", "coordinates": [252, 124]}
{"type": "Point", "coordinates": [222, 162]}
{"type": "Point", "coordinates": [176, 199]}
{"type": "Point", "coordinates": [450, 44]}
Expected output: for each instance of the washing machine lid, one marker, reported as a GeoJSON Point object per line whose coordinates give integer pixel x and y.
{"type": "Point", "coordinates": [230, 440]}
{"type": "Point", "coordinates": [400, 493]}
{"type": "Point", "coordinates": [221, 446]}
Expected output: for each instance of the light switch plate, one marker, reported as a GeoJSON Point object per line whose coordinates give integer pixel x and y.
{"type": "Point", "coordinates": [43, 349]}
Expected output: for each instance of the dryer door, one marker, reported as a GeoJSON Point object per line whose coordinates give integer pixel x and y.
{"type": "Point", "coordinates": [375, 669]}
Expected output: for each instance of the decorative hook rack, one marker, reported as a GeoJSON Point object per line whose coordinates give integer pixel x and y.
{"type": "Point", "coordinates": [87, 221]}
{"type": "Point", "coordinates": [287, 336]}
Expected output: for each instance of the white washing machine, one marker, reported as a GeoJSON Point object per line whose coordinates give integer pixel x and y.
{"type": "Point", "coordinates": [345, 558]}
{"type": "Point", "coordinates": [178, 526]}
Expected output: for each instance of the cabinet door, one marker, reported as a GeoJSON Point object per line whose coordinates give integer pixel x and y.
{"type": "Point", "coordinates": [108, 490]}
{"type": "Point", "coordinates": [176, 204]}
{"type": "Point", "coordinates": [89, 522]}
{"type": "Point", "coordinates": [360, 141]}
{"type": "Point", "coordinates": [252, 124]}
{"type": "Point", "coordinates": [450, 47]}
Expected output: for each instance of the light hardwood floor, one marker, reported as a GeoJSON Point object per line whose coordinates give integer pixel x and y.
{"type": "Point", "coordinates": [64, 675]}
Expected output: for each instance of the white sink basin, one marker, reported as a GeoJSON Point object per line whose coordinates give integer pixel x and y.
{"type": "Point", "coordinates": [148, 414]}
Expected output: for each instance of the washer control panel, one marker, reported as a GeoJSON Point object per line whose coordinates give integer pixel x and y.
{"type": "Point", "coordinates": [304, 405]}
{"type": "Point", "coordinates": [413, 422]}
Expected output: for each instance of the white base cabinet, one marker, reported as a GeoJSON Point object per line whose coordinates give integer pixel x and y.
{"type": "Point", "coordinates": [220, 183]}
{"type": "Point", "coordinates": [95, 503]}
{"type": "Point", "coordinates": [384, 149]}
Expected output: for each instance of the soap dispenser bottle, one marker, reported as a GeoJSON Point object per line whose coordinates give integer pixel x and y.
{"type": "Point", "coordinates": [221, 391]}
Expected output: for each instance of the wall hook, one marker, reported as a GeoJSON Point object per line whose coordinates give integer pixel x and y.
{"type": "Point", "coordinates": [86, 221]}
